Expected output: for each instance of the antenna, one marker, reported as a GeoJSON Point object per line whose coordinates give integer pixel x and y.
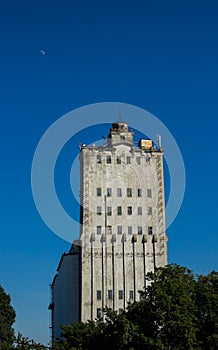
{"type": "Point", "coordinates": [159, 141]}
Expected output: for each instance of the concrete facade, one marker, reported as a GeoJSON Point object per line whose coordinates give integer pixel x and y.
{"type": "Point", "coordinates": [122, 234]}
{"type": "Point", "coordinates": [123, 220]}
{"type": "Point", "coordinates": [65, 288]}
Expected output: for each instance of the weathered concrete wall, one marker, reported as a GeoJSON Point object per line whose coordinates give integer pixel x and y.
{"type": "Point", "coordinates": [65, 293]}
{"type": "Point", "coordinates": [104, 267]}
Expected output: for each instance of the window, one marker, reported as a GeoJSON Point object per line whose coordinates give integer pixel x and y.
{"type": "Point", "coordinates": [119, 230]}
{"type": "Point", "coordinates": [118, 159]}
{"type": "Point", "coordinates": [138, 160]}
{"type": "Point", "coordinates": [119, 192]}
{"type": "Point", "coordinates": [129, 210]}
{"type": "Point", "coordinates": [139, 210]}
{"type": "Point", "coordinates": [110, 294]}
{"type": "Point", "coordinates": [98, 158]}
{"type": "Point", "coordinates": [149, 194]}
{"type": "Point", "coordinates": [99, 191]}
{"type": "Point", "coordinates": [120, 311]}
{"type": "Point", "coordinates": [98, 294]}
{"type": "Point", "coordinates": [109, 192]}
{"type": "Point", "coordinates": [108, 159]}
{"type": "Point", "coordinates": [119, 210]}
{"type": "Point", "coordinates": [139, 192]}
{"type": "Point", "coordinates": [120, 294]}
{"type": "Point", "coordinates": [98, 230]}
{"type": "Point", "coordinates": [128, 160]}
{"type": "Point", "coordinates": [99, 313]}
{"type": "Point", "coordinates": [98, 210]}
{"type": "Point", "coordinates": [109, 229]}
{"type": "Point", "coordinates": [139, 230]}
{"type": "Point", "coordinates": [149, 210]}
{"type": "Point", "coordinates": [129, 230]}
{"type": "Point", "coordinates": [131, 294]}
{"type": "Point", "coordinates": [129, 192]}
{"type": "Point", "coordinates": [109, 211]}
{"type": "Point", "coordinates": [150, 230]}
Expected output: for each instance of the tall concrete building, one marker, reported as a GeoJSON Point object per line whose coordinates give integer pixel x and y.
{"type": "Point", "coordinates": [122, 234]}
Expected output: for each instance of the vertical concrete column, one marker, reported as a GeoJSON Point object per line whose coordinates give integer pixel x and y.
{"type": "Point", "coordinates": [124, 271]}
{"type": "Point", "coordinates": [92, 276]}
{"type": "Point", "coordinates": [134, 240]}
{"type": "Point", "coordinates": [144, 241]}
{"type": "Point", "coordinates": [113, 269]}
{"type": "Point", "coordinates": [102, 274]}
{"type": "Point", "coordinates": [154, 240]}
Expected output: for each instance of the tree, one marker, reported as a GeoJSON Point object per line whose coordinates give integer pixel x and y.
{"type": "Point", "coordinates": [206, 298]}
{"type": "Point", "coordinates": [24, 343]}
{"type": "Point", "coordinates": [178, 311]}
{"type": "Point", "coordinates": [7, 318]}
{"type": "Point", "coordinates": [166, 314]}
{"type": "Point", "coordinates": [117, 332]}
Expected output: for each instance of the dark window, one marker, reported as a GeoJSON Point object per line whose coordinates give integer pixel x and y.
{"type": "Point", "coordinates": [98, 158]}
{"type": "Point", "coordinates": [128, 160]}
{"type": "Point", "coordinates": [98, 294]}
{"type": "Point", "coordinates": [98, 191]}
{"type": "Point", "coordinates": [139, 192]}
{"type": "Point", "coordinates": [108, 159]}
{"type": "Point", "coordinates": [139, 210]}
{"type": "Point", "coordinates": [129, 230]}
{"type": "Point", "coordinates": [129, 210]}
{"type": "Point", "coordinates": [149, 193]}
{"type": "Point", "coordinates": [99, 313]}
{"type": "Point", "coordinates": [148, 159]}
{"type": "Point", "coordinates": [129, 192]}
{"type": "Point", "coordinates": [98, 230]}
{"type": "Point", "coordinates": [109, 192]}
{"type": "Point", "coordinates": [120, 293]}
{"type": "Point", "coordinates": [109, 211]}
{"type": "Point", "coordinates": [98, 210]}
{"type": "Point", "coordinates": [139, 230]}
{"type": "Point", "coordinates": [119, 230]}
{"type": "Point", "coordinates": [119, 210]}
{"type": "Point", "coordinates": [131, 294]}
{"type": "Point", "coordinates": [118, 160]}
{"type": "Point", "coordinates": [119, 192]}
{"type": "Point", "coordinates": [110, 294]}
{"type": "Point", "coordinates": [149, 210]}
{"type": "Point", "coordinates": [138, 160]}
{"type": "Point", "coordinates": [150, 230]}
{"type": "Point", "coordinates": [120, 311]}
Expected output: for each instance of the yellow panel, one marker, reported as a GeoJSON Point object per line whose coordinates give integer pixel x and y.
{"type": "Point", "coordinates": [146, 144]}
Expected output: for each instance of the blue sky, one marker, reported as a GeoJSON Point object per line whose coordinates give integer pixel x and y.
{"type": "Point", "coordinates": [161, 56]}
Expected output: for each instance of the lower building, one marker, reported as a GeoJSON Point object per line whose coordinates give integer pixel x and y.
{"type": "Point", "coordinates": [66, 292]}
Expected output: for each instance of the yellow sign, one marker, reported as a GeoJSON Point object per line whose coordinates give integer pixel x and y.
{"type": "Point", "coordinates": [146, 144]}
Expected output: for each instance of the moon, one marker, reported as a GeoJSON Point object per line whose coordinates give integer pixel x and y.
{"type": "Point", "coordinates": [42, 52]}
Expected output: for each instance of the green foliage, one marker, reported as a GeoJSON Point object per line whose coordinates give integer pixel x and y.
{"type": "Point", "coordinates": [178, 311]}
{"type": "Point", "coordinates": [166, 314]}
{"type": "Point", "coordinates": [8, 341]}
{"type": "Point", "coordinates": [206, 298]}
{"type": "Point", "coordinates": [7, 318]}
{"type": "Point", "coordinates": [24, 343]}
{"type": "Point", "coordinates": [117, 332]}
